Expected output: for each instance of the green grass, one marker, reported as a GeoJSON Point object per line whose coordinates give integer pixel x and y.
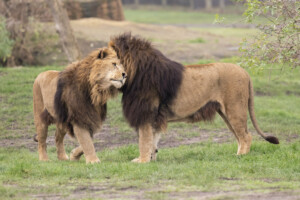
{"type": "Point", "coordinates": [16, 114]}
{"type": "Point", "coordinates": [205, 167]}
{"type": "Point", "coordinates": [197, 40]}
{"type": "Point", "coordinates": [173, 17]}
{"type": "Point", "coordinates": [180, 17]}
{"type": "Point", "coordinates": [276, 106]}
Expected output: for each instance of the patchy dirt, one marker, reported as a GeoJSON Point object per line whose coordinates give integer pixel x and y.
{"type": "Point", "coordinates": [108, 191]}
{"type": "Point", "coordinates": [176, 42]}
{"type": "Point", "coordinates": [110, 138]}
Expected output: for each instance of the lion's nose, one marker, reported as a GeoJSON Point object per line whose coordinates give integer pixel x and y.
{"type": "Point", "coordinates": [124, 75]}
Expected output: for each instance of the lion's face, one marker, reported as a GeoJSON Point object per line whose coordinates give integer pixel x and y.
{"type": "Point", "coordinates": [107, 70]}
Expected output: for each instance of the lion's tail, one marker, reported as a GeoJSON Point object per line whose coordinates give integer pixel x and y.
{"type": "Point", "coordinates": [270, 139]}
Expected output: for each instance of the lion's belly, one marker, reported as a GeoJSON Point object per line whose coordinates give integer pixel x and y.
{"type": "Point", "coordinates": [221, 83]}
{"type": "Point", "coordinates": [195, 91]}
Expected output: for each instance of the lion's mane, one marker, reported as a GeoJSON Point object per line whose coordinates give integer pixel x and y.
{"type": "Point", "coordinates": [152, 77]}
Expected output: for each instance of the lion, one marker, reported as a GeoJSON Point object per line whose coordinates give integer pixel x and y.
{"type": "Point", "coordinates": [75, 100]}
{"type": "Point", "coordinates": [159, 90]}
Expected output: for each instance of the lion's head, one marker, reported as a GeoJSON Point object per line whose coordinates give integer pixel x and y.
{"type": "Point", "coordinates": [106, 70]}
{"type": "Point", "coordinates": [84, 88]}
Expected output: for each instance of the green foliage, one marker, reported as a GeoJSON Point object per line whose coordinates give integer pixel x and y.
{"type": "Point", "coordinates": [218, 19]}
{"type": "Point", "coordinates": [6, 44]}
{"type": "Point", "coordinates": [279, 40]}
{"type": "Point", "coordinates": [197, 40]}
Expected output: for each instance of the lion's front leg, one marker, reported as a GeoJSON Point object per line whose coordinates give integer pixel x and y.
{"type": "Point", "coordinates": [84, 138]}
{"type": "Point", "coordinates": [156, 138]}
{"type": "Point", "coordinates": [145, 144]}
{"type": "Point", "coordinates": [59, 141]}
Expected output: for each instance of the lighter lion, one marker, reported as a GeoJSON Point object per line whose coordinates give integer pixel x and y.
{"type": "Point", "coordinates": [75, 100]}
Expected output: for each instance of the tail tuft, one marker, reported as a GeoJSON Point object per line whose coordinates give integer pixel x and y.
{"type": "Point", "coordinates": [272, 139]}
{"type": "Point", "coordinates": [35, 138]}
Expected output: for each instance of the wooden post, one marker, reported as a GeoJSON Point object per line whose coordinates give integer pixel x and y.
{"type": "Point", "coordinates": [164, 2]}
{"type": "Point", "coordinates": [208, 4]}
{"type": "Point", "coordinates": [222, 4]}
{"type": "Point", "coordinates": [111, 10]}
{"type": "Point", "coordinates": [192, 5]}
{"type": "Point", "coordinates": [64, 29]}
{"type": "Point", "coordinates": [4, 9]}
{"type": "Point", "coordinates": [136, 2]}
{"type": "Point", "coordinates": [120, 13]}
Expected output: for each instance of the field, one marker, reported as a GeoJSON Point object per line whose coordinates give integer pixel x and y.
{"type": "Point", "coordinates": [195, 161]}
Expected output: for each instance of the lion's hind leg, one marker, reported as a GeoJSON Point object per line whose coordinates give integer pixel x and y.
{"type": "Point", "coordinates": [76, 153]}
{"type": "Point", "coordinates": [59, 141]}
{"type": "Point", "coordinates": [42, 131]}
{"type": "Point", "coordinates": [237, 123]}
{"type": "Point", "coordinates": [41, 124]}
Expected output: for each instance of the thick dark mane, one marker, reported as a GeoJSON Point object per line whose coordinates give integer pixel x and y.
{"type": "Point", "coordinates": [72, 102]}
{"type": "Point", "coordinates": [152, 77]}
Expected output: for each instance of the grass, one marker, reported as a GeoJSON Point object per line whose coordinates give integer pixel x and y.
{"type": "Point", "coordinates": [180, 16]}
{"type": "Point", "coordinates": [197, 40]}
{"type": "Point", "coordinates": [185, 168]}
{"type": "Point", "coordinates": [179, 170]}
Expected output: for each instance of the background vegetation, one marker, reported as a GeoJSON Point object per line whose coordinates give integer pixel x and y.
{"type": "Point", "coordinates": [207, 168]}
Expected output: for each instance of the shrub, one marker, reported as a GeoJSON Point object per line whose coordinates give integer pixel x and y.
{"type": "Point", "coordinates": [6, 44]}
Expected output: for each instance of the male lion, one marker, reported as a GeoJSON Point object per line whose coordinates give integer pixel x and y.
{"type": "Point", "coordinates": [75, 100]}
{"type": "Point", "coordinates": [159, 90]}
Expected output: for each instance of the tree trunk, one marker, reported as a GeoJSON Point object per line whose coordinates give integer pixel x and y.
{"type": "Point", "coordinates": [111, 10]}
{"type": "Point", "coordinates": [222, 4]}
{"type": "Point", "coordinates": [208, 4]}
{"type": "Point", "coordinates": [164, 2]}
{"type": "Point", "coordinates": [192, 6]}
{"type": "Point", "coordinates": [136, 2]}
{"type": "Point", "coordinates": [64, 29]}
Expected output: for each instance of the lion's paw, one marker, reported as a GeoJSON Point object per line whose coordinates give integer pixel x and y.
{"type": "Point", "coordinates": [93, 161]}
{"type": "Point", "coordinates": [74, 158]}
{"type": "Point", "coordinates": [138, 160]}
{"type": "Point", "coordinates": [63, 157]}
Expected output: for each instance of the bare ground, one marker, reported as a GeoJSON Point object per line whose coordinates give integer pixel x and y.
{"type": "Point", "coordinates": [108, 191]}
{"type": "Point", "coordinates": [110, 138]}
{"type": "Point", "coordinates": [175, 42]}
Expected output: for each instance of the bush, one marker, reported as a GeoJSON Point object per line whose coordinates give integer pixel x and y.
{"type": "Point", "coordinates": [6, 44]}
{"type": "Point", "coordinates": [279, 40]}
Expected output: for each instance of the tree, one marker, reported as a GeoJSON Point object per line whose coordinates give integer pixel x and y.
{"type": "Point", "coordinates": [64, 30]}
{"type": "Point", "coordinates": [111, 9]}
{"type": "Point", "coordinates": [279, 40]}
{"type": "Point", "coordinates": [21, 35]}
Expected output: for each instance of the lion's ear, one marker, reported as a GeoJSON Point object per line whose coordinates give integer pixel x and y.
{"type": "Point", "coordinates": [102, 54]}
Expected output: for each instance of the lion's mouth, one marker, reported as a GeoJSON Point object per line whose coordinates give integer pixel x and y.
{"type": "Point", "coordinates": [122, 81]}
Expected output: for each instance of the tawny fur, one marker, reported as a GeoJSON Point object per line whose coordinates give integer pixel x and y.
{"type": "Point", "coordinates": [177, 93]}
{"type": "Point", "coordinates": [75, 100]}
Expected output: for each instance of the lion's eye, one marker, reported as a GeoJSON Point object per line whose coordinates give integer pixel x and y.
{"type": "Point", "coordinates": [115, 64]}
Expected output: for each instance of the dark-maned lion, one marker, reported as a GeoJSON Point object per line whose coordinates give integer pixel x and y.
{"type": "Point", "coordinates": [75, 100]}
{"type": "Point", "coordinates": [159, 90]}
